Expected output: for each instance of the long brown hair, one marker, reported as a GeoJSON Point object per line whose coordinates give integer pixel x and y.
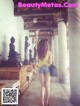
{"type": "Point", "coordinates": [42, 50]}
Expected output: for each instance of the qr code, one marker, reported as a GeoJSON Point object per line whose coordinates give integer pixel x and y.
{"type": "Point", "coordinates": [9, 96]}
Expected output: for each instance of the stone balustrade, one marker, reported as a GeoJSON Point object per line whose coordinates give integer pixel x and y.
{"type": "Point", "coordinates": [14, 73]}
{"type": "Point", "coordinates": [1, 86]}
{"type": "Point", "coordinates": [17, 73]}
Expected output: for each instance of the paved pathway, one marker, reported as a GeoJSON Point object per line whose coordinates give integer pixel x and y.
{"type": "Point", "coordinates": [59, 95]}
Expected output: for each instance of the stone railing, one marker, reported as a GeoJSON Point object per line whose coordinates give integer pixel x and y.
{"type": "Point", "coordinates": [14, 73]}
{"type": "Point", "coordinates": [1, 86]}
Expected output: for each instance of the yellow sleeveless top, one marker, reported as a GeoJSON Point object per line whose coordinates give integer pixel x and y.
{"type": "Point", "coordinates": [44, 61]}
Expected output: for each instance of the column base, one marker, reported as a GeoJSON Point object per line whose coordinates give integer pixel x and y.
{"type": "Point", "coordinates": [64, 77]}
{"type": "Point", "coordinates": [75, 100]}
{"type": "Point", "coordinates": [63, 80]}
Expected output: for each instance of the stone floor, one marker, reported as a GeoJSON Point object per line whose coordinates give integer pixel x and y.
{"type": "Point", "coordinates": [59, 95]}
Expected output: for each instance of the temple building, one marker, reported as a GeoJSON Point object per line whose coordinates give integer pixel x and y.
{"type": "Point", "coordinates": [22, 24]}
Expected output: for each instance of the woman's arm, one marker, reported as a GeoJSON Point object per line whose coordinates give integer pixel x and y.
{"type": "Point", "coordinates": [50, 58]}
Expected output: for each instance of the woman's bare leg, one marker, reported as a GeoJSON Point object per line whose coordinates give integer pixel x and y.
{"type": "Point", "coordinates": [47, 87]}
{"type": "Point", "coordinates": [42, 88]}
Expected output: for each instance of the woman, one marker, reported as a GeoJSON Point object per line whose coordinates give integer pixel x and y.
{"type": "Point", "coordinates": [44, 56]}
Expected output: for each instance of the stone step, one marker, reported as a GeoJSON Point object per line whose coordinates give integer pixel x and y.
{"type": "Point", "coordinates": [11, 83]}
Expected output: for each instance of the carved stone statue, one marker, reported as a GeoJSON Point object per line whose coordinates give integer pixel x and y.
{"type": "Point", "coordinates": [26, 51]}
{"type": "Point", "coordinates": [12, 52]}
{"type": "Point", "coordinates": [34, 53]}
{"type": "Point", "coordinates": [13, 55]}
{"type": "Point", "coordinates": [26, 46]}
{"type": "Point", "coordinates": [30, 55]}
{"type": "Point", "coordinates": [14, 59]}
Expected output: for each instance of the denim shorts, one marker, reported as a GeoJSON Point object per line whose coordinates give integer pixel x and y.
{"type": "Point", "coordinates": [43, 69]}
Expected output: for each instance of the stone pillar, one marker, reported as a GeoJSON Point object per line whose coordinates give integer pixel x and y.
{"type": "Point", "coordinates": [74, 50]}
{"type": "Point", "coordinates": [56, 51]}
{"type": "Point", "coordinates": [52, 49]}
{"type": "Point", "coordinates": [56, 47]}
{"type": "Point", "coordinates": [37, 34]}
{"type": "Point", "coordinates": [62, 43]}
